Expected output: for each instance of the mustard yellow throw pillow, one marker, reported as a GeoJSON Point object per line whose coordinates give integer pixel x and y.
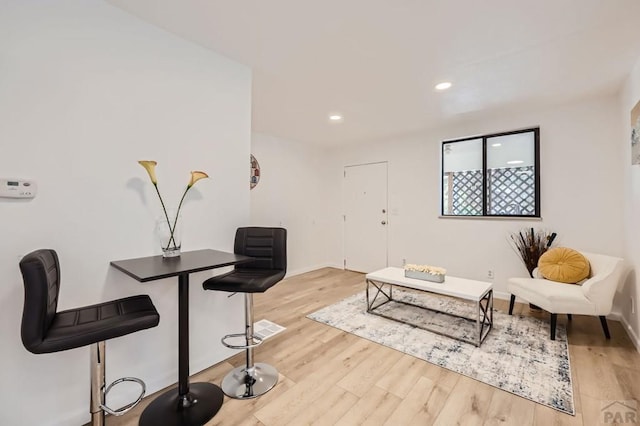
{"type": "Point", "coordinates": [564, 265]}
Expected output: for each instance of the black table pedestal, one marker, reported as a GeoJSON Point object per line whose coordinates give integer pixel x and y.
{"type": "Point", "coordinates": [204, 401]}
{"type": "Point", "coordinates": [189, 404]}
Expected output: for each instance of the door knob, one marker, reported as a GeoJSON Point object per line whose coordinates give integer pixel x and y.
{"type": "Point", "coordinates": [384, 222]}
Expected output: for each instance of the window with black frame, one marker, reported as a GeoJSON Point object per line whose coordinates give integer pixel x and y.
{"type": "Point", "coordinates": [495, 175]}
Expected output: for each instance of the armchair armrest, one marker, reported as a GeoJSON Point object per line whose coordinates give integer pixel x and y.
{"type": "Point", "coordinates": [601, 287]}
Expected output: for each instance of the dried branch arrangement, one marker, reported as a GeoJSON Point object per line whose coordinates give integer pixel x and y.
{"type": "Point", "coordinates": [530, 244]}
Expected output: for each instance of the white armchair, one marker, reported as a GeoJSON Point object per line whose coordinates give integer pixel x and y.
{"type": "Point", "coordinates": [593, 297]}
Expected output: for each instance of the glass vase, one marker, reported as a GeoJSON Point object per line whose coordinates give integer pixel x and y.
{"type": "Point", "coordinates": [169, 234]}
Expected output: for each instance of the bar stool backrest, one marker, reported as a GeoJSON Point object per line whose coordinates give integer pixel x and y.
{"type": "Point", "coordinates": [267, 245]}
{"type": "Point", "coordinates": [41, 278]}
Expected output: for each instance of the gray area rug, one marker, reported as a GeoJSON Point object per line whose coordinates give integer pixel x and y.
{"type": "Point", "coordinates": [517, 355]}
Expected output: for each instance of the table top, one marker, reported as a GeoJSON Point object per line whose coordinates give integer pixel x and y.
{"type": "Point", "coordinates": [461, 288]}
{"type": "Point", "coordinates": [152, 268]}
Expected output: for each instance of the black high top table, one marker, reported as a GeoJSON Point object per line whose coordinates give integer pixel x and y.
{"type": "Point", "coordinates": [190, 404]}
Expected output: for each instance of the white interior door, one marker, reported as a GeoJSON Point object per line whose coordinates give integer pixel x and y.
{"type": "Point", "coordinates": [365, 217]}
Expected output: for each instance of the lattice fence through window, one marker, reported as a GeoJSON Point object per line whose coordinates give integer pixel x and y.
{"type": "Point", "coordinates": [465, 198]}
{"type": "Point", "coordinates": [511, 191]}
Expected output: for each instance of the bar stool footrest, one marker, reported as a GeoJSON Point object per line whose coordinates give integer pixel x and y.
{"type": "Point", "coordinates": [126, 408]}
{"type": "Point", "coordinates": [256, 339]}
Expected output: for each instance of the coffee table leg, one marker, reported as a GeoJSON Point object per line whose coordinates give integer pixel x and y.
{"type": "Point", "coordinates": [367, 290]}
{"type": "Point", "coordinates": [486, 313]}
{"type": "Point", "coordinates": [491, 311]}
{"type": "Point", "coordinates": [379, 289]}
{"type": "Point", "coordinates": [478, 329]}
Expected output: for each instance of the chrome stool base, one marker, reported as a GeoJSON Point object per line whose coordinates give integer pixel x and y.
{"type": "Point", "coordinates": [240, 384]}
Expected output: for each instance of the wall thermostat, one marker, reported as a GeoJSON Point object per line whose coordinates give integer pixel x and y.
{"type": "Point", "coordinates": [18, 188]}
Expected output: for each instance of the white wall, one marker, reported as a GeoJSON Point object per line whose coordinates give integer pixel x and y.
{"type": "Point", "coordinates": [292, 193]}
{"type": "Point", "coordinates": [629, 96]}
{"type": "Point", "coordinates": [580, 184]}
{"type": "Point", "coordinates": [86, 90]}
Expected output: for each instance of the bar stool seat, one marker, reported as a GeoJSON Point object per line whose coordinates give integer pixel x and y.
{"type": "Point", "coordinates": [269, 248]}
{"type": "Point", "coordinates": [79, 327]}
{"type": "Point", "coordinates": [245, 280]}
{"type": "Point", "coordinates": [44, 330]}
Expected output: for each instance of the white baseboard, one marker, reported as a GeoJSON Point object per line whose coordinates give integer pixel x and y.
{"type": "Point", "coordinates": [502, 295]}
{"type": "Point", "coordinates": [79, 417]}
{"type": "Point", "coordinates": [311, 268]}
{"type": "Point", "coordinates": [617, 316]}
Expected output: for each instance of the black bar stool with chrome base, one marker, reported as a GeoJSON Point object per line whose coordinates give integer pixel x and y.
{"type": "Point", "coordinates": [269, 248]}
{"type": "Point", "coordinates": [44, 330]}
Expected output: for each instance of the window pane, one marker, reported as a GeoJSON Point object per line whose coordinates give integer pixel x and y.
{"type": "Point", "coordinates": [492, 175]}
{"type": "Point", "coordinates": [462, 178]}
{"type": "Point", "coordinates": [511, 175]}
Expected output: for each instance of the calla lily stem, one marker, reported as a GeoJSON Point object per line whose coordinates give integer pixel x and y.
{"type": "Point", "coordinates": [164, 209]}
{"type": "Point", "coordinates": [175, 221]}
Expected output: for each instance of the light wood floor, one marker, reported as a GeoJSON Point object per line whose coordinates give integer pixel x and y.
{"type": "Point", "coordinates": [331, 377]}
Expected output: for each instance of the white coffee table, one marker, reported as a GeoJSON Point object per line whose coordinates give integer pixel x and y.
{"type": "Point", "coordinates": [478, 292]}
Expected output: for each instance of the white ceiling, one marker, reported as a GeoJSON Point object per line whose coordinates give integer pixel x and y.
{"type": "Point", "coordinates": [376, 61]}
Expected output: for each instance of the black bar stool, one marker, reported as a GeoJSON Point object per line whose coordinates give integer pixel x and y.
{"type": "Point", "coordinates": [269, 247]}
{"type": "Point", "coordinates": [44, 330]}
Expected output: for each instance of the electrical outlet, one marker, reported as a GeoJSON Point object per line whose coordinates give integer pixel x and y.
{"type": "Point", "coordinates": [490, 274]}
{"type": "Point", "coordinates": [404, 262]}
{"type": "Point", "coordinates": [633, 305]}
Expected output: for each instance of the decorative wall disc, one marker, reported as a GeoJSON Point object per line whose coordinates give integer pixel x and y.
{"type": "Point", "coordinates": [254, 177]}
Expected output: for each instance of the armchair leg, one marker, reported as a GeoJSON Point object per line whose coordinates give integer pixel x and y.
{"type": "Point", "coordinates": [511, 302]}
{"type": "Point", "coordinates": [554, 319]}
{"type": "Point", "coordinates": [605, 327]}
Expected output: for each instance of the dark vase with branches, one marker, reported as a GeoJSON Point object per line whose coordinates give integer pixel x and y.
{"type": "Point", "coordinates": [530, 244]}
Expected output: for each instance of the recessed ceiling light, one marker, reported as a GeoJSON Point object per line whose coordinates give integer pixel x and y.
{"type": "Point", "coordinates": [515, 162]}
{"type": "Point", "coordinates": [443, 86]}
{"type": "Point", "coordinates": [335, 118]}
{"type": "Point", "coordinates": [495, 145]}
